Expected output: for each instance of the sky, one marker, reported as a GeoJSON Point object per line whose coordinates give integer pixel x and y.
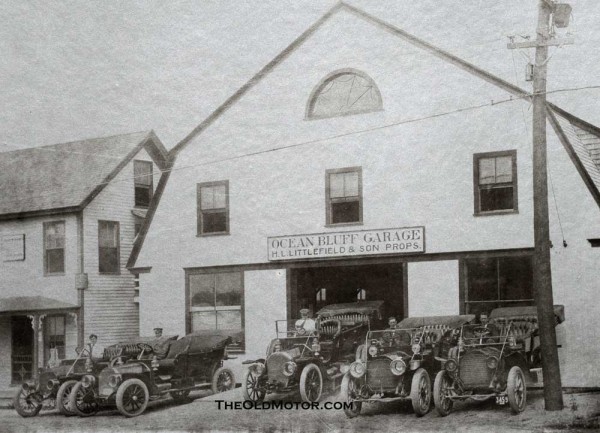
{"type": "Point", "coordinates": [77, 69]}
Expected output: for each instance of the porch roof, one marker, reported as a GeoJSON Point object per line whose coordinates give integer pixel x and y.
{"type": "Point", "coordinates": [26, 304]}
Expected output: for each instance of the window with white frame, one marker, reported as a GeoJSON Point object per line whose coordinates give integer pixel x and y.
{"type": "Point", "coordinates": [54, 247]}
{"type": "Point", "coordinates": [213, 208]}
{"type": "Point", "coordinates": [108, 247]}
{"type": "Point", "coordinates": [143, 183]}
{"type": "Point", "coordinates": [495, 179]}
{"type": "Point", "coordinates": [344, 196]}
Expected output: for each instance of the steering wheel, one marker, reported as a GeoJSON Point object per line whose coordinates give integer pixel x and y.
{"type": "Point", "coordinates": [301, 331]}
{"type": "Point", "coordinates": [119, 359]}
{"type": "Point", "coordinates": [82, 350]}
{"type": "Point", "coordinates": [145, 348]}
{"type": "Point", "coordinates": [481, 331]}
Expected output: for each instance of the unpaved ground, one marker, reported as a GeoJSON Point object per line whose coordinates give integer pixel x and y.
{"type": "Point", "coordinates": [202, 414]}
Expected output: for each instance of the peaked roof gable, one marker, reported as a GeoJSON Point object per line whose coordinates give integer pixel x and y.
{"type": "Point", "coordinates": [66, 177]}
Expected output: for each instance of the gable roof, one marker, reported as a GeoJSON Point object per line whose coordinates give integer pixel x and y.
{"type": "Point", "coordinates": [66, 177]}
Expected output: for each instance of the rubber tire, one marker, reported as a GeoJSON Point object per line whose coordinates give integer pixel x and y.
{"type": "Point", "coordinates": [437, 394]}
{"type": "Point", "coordinates": [63, 408]}
{"type": "Point", "coordinates": [304, 377]}
{"type": "Point", "coordinates": [73, 402]}
{"type": "Point", "coordinates": [20, 410]}
{"type": "Point", "coordinates": [121, 392]}
{"type": "Point", "coordinates": [415, 388]}
{"type": "Point", "coordinates": [215, 380]}
{"type": "Point", "coordinates": [512, 384]}
{"type": "Point", "coordinates": [345, 397]}
{"type": "Point", "coordinates": [247, 377]}
{"type": "Point", "coordinates": [180, 396]}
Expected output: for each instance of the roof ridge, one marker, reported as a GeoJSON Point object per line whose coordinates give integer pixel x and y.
{"type": "Point", "coordinates": [24, 149]}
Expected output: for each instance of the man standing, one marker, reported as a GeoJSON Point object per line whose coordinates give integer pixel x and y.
{"type": "Point", "coordinates": [305, 324]}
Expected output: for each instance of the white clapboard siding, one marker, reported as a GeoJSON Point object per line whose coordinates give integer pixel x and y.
{"type": "Point", "coordinates": [110, 310]}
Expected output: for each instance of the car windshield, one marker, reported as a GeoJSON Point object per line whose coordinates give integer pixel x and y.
{"type": "Point", "coordinates": [484, 334]}
{"type": "Point", "coordinates": [394, 340]}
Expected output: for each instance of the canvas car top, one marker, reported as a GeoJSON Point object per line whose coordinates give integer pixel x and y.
{"type": "Point", "coordinates": [361, 307]}
{"type": "Point", "coordinates": [525, 313]}
{"type": "Point", "coordinates": [441, 321]}
{"type": "Point", "coordinates": [130, 347]}
{"type": "Point", "coordinates": [201, 341]}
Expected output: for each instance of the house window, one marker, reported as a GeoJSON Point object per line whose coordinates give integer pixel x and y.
{"type": "Point", "coordinates": [495, 178]}
{"type": "Point", "coordinates": [498, 282]}
{"type": "Point", "coordinates": [54, 247]}
{"type": "Point", "coordinates": [215, 302]}
{"type": "Point", "coordinates": [54, 336]}
{"type": "Point", "coordinates": [342, 93]}
{"type": "Point", "coordinates": [213, 208]}
{"type": "Point", "coordinates": [344, 196]}
{"type": "Point", "coordinates": [108, 247]}
{"type": "Point", "coordinates": [142, 173]}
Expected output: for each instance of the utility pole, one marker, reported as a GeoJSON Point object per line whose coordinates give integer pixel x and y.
{"type": "Point", "coordinates": [542, 273]}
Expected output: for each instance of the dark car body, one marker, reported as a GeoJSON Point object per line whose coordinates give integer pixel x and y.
{"type": "Point", "coordinates": [397, 364]}
{"type": "Point", "coordinates": [49, 384]}
{"type": "Point", "coordinates": [492, 360]}
{"type": "Point", "coordinates": [306, 362]}
{"type": "Point", "coordinates": [192, 362]}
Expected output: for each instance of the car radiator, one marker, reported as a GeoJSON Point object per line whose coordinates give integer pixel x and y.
{"type": "Point", "coordinates": [379, 375]}
{"type": "Point", "coordinates": [474, 371]}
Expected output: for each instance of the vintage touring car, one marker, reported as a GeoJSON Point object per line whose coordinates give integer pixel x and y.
{"type": "Point", "coordinates": [56, 383]}
{"type": "Point", "coordinates": [398, 363]}
{"type": "Point", "coordinates": [192, 362]}
{"type": "Point", "coordinates": [492, 360]}
{"type": "Point", "coordinates": [305, 361]}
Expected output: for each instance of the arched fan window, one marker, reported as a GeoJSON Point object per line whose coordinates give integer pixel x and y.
{"type": "Point", "coordinates": [344, 92]}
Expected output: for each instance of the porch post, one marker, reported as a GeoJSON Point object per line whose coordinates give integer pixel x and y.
{"type": "Point", "coordinates": [35, 321]}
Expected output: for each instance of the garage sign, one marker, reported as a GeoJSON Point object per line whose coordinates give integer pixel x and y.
{"type": "Point", "coordinates": [408, 240]}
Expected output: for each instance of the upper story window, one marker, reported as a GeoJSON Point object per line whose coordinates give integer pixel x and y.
{"type": "Point", "coordinates": [344, 92]}
{"type": "Point", "coordinates": [54, 247]}
{"type": "Point", "coordinates": [495, 179]}
{"type": "Point", "coordinates": [213, 208]}
{"type": "Point", "coordinates": [142, 173]}
{"type": "Point", "coordinates": [108, 247]}
{"type": "Point", "coordinates": [344, 196]}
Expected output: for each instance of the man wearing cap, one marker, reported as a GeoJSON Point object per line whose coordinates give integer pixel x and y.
{"type": "Point", "coordinates": [160, 345]}
{"type": "Point", "coordinates": [305, 324]}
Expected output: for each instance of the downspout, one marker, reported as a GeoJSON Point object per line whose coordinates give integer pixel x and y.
{"type": "Point", "coordinates": [81, 281]}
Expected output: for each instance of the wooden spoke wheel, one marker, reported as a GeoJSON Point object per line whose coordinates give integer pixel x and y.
{"type": "Point", "coordinates": [348, 392]}
{"type": "Point", "coordinates": [311, 383]}
{"type": "Point", "coordinates": [132, 397]}
{"type": "Point", "coordinates": [516, 390]}
{"type": "Point", "coordinates": [441, 391]}
{"type": "Point", "coordinates": [420, 392]}
{"type": "Point", "coordinates": [223, 380]}
{"type": "Point", "coordinates": [83, 400]}
{"type": "Point", "coordinates": [252, 389]}
{"type": "Point", "coordinates": [62, 398]}
{"type": "Point", "coordinates": [27, 403]}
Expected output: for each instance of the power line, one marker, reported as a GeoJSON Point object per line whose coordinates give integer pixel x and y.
{"type": "Point", "coordinates": [333, 137]}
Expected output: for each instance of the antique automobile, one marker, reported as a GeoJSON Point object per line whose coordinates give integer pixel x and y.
{"type": "Point", "coordinates": [492, 360]}
{"type": "Point", "coordinates": [398, 363]}
{"type": "Point", "coordinates": [55, 383]}
{"type": "Point", "coordinates": [305, 361]}
{"type": "Point", "coordinates": [192, 362]}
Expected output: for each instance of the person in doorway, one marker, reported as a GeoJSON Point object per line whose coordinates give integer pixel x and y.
{"type": "Point", "coordinates": [305, 325]}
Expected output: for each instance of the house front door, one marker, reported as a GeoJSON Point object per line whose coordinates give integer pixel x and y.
{"type": "Point", "coordinates": [22, 349]}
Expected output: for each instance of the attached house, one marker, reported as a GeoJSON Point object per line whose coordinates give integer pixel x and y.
{"type": "Point", "coordinates": [363, 163]}
{"type": "Point", "coordinates": [69, 214]}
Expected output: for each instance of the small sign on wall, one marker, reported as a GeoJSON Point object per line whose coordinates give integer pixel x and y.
{"type": "Point", "coordinates": [408, 240]}
{"type": "Point", "coordinates": [13, 248]}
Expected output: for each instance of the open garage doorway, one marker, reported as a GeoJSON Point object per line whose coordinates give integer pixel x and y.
{"type": "Point", "coordinates": [318, 286]}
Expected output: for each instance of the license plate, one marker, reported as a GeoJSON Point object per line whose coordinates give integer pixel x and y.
{"type": "Point", "coordinates": [501, 400]}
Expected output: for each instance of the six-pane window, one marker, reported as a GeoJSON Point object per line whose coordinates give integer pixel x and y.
{"type": "Point", "coordinates": [213, 208]}
{"type": "Point", "coordinates": [216, 301]}
{"type": "Point", "coordinates": [344, 196]}
{"type": "Point", "coordinates": [108, 247]}
{"type": "Point", "coordinates": [54, 336]}
{"type": "Point", "coordinates": [54, 247]}
{"type": "Point", "coordinates": [495, 182]}
{"type": "Point", "coordinates": [142, 173]}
